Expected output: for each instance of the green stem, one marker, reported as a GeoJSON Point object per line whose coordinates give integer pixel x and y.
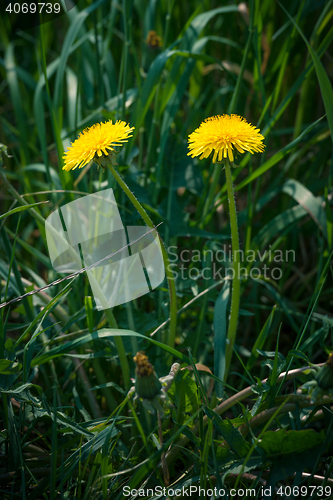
{"type": "Point", "coordinates": [171, 283]}
{"type": "Point", "coordinates": [235, 295]}
{"type": "Point", "coordinates": [212, 190]}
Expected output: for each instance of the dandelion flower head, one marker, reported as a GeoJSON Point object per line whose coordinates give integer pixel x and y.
{"type": "Point", "coordinates": [143, 367]}
{"type": "Point", "coordinates": [95, 141]}
{"type": "Point", "coordinates": [221, 135]}
{"type": "Point", "coordinates": [147, 383]}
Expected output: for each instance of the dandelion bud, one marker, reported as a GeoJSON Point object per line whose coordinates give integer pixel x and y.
{"type": "Point", "coordinates": [147, 384]}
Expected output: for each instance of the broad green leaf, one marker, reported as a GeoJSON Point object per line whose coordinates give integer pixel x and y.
{"type": "Point", "coordinates": [286, 465]}
{"type": "Point", "coordinates": [284, 442]}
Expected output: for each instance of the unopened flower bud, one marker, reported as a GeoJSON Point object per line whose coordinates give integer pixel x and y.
{"type": "Point", "coordinates": [147, 384]}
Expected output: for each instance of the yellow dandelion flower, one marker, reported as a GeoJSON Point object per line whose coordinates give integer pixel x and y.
{"type": "Point", "coordinates": [221, 134]}
{"type": "Point", "coordinates": [95, 141]}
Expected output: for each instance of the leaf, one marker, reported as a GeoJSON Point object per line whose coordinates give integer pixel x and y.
{"type": "Point", "coordinates": [181, 229]}
{"type": "Point", "coordinates": [67, 49]}
{"type": "Point", "coordinates": [109, 384]}
{"type": "Point", "coordinates": [284, 442]}
{"type": "Point", "coordinates": [276, 158]}
{"type": "Point", "coordinates": [183, 393]}
{"type": "Point", "coordinates": [89, 312]}
{"type": "Point", "coordinates": [231, 435]}
{"type": "Point", "coordinates": [151, 463]}
{"type": "Point", "coordinates": [104, 333]}
{"type": "Point", "coordinates": [287, 307]}
{"type": "Point", "coordinates": [46, 170]}
{"type": "Point", "coordinates": [79, 406]}
{"type": "Point", "coordinates": [274, 374]}
{"type": "Point", "coordinates": [111, 105]}
{"type": "Point", "coordinates": [22, 393]}
{"type": "Point", "coordinates": [43, 314]}
{"type": "Point", "coordinates": [283, 466]}
{"type": "Point", "coordinates": [271, 354]}
{"type": "Point", "coordinates": [7, 367]}
{"type": "Point", "coordinates": [287, 99]}
{"type": "Point", "coordinates": [89, 448]}
{"type": "Point", "coordinates": [15, 450]}
{"type": "Point", "coordinates": [149, 87]}
{"type": "Point", "coordinates": [324, 82]}
{"type": "Point", "coordinates": [153, 77]}
{"type": "Point", "coordinates": [259, 343]}
{"type": "Point", "coordinates": [308, 201]}
{"type": "Point", "coordinates": [3, 150]}
{"type": "Point", "coordinates": [187, 174]}
{"type": "Point", "coordinates": [32, 250]}
{"type": "Point", "coordinates": [16, 99]}
{"type": "Point", "coordinates": [177, 96]}
{"type": "Point", "coordinates": [189, 35]}
{"type": "Point", "coordinates": [21, 208]}
{"type": "Point", "coordinates": [300, 355]}
{"type": "Point", "coordinates": [220, 329]}
{"type": "Point", "coordinates": [199, 22]}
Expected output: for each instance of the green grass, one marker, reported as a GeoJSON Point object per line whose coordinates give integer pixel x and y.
{"type": "Point", "coordinates": [69, 427]}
